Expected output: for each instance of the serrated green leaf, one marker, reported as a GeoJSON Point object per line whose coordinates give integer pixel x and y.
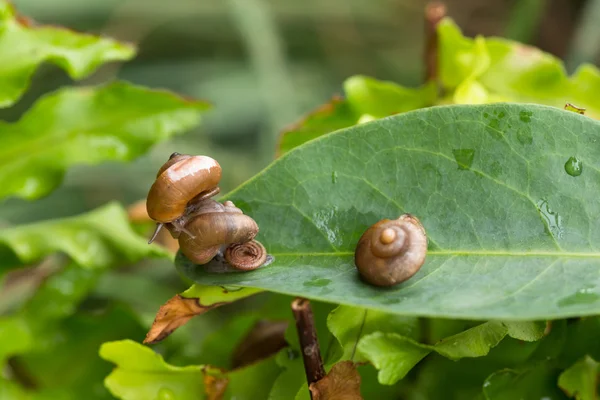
{"type": "Point", "coordinates": [511, 236]}
{"type": "Point", "coordinates": [474, 342]}
{"type": "Point", "coordinates": [581, 379]}
{"type": "Point", "coordinates": [364, 96]}
{"type": "Point", "coordinates": [350, 324]}
{"type": "Point", "coordinates": [143, 374]}
{"type": "Point", "coordinates": [86, 125]}
{"type": "Point", "coordinates": [484, 70]}
{"type": "Point", "coordinates": [525, 330]}
{"type": "Point", "coordinates": [393, 355]}
{"type": "Point", "coordinates": [24, 46]}
{"type": "Point", "coordinates": [533, 382]}
{"type": "Point", "coordinates": [98, 239]}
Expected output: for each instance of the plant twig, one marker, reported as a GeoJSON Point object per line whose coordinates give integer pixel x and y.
{"type": "Point", "coordinates": [311, 353]}
{"type": "Point", "coordinates": [434, 12]}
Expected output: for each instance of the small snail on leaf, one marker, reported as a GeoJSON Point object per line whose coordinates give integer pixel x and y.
{"type": "Point", "coordinates": [207, 231]}
{"type": "Point", "coordinates": [391, 251]}
{"type": "Point", "coordinates": [181, 183]}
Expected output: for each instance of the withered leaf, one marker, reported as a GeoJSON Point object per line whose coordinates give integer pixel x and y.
{"type": "Point", "coordinates": [341, 383]}
{"type": "Point", "coordinates": [175, 313]}
{"type": "Point", "coordinates": [264, 339]}
{"type": "Point", "coordinates": [214, 386]}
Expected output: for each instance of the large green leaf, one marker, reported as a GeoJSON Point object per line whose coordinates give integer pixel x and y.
{"type": "Point", "coordinates": [511, 233]}
{"type": "Point", "coordinates": [98, 239]}
{"type": "Point", "coordinates": [117, 121]}
{"type": "Point", "coordinates": [24, 46]}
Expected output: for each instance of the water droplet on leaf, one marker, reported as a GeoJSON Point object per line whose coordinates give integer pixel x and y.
{"type": "Point", "coordinates": [553, 221]}
{"type": "Point", "coordinates": [574, 166]}
{"type": "Point", "coordinates": [334, 177]}
{"type": "Point", "coordinates": [464, 158]}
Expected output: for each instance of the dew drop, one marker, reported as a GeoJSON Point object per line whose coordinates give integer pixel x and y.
{"type": "Point", "coordinates": [464, 158]}
{"type": "Point", "coordinates": [574, 166]}
{"type": "Point", "coordinates": [553, 221]}
{"type": "Point", "coordinates": [334, 177]}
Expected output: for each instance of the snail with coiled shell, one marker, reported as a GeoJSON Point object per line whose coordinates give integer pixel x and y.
{"type": "Point", "coordinates": [391, 251]}
{"type": "Point", "coordinates": [180, 199]}
{"type": "Point", "coordinates": [213, 227]}
{"type": "Point", "coordinates": [181, 184]}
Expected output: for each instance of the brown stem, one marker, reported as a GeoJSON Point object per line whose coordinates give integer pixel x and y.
{"type": "Point", "coordinates": [434, 12]}
{"type": "Point", "coordinates": [305, 324]}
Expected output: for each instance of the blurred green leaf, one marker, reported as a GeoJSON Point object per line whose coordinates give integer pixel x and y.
{"type": "Point", "coordinates": [99, 239]}
{"type": "Point", "coordinates": [143, 374]}
{"type": "Point", "coordinates": [87, 125]}
{"type": "Point", "coordinates": [350, 324]}
{"type": "Point", "coordinates": [486, 70]}
{"type": "Point", "coordinates": [15, 337]}
{"type": "Point", "coordinates": [69, 362]}
{"type": "Point", "coordinates": [393, 355]}
{"type": "Point", "coordinates": [537, 381]}
{"type": "Point", "coordinates": [364, 96]}
{"type": "Point", "coordinates": [581, 340]}
{"type": "Point", "coordinates": [581, 379]}
{"type": "Point", "coordinates": [380, 99]}
{"type": "Point", "coordinates": [25, 45]}
{"type": "Point", "coordinates": [252, 382]}
{"type": "Point", "coordinates": [291, 377]}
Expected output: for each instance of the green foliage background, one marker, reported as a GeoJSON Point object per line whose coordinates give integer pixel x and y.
{"type": "Point", "coordinates": [94, 282]}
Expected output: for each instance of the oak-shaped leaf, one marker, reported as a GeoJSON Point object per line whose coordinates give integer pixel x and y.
{"type": "Point", "coordinates": [87, 125]}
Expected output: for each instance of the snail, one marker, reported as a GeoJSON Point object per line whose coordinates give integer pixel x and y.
{"type": "Point", "coordinates": [181, 184]}
{"type": "Point", "coordinates": [212, 228]}
{"type": "Point", "coordinates": [391, 251]}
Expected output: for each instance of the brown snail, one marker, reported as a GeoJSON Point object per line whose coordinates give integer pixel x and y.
{"type": "Point", "coordinates": [181, 184]}
{"type": "Point", "coordinates": [391, 251]}
{"type": "Point", "coordinates": [214, 227]}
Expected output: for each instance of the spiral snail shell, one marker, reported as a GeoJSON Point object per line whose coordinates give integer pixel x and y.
{"type": "Point", "coordinates": [391, 251]}
{"type": "Point", "coordinates": [182, 179]}
{"type": "Point", "coordinates": [214, 227]}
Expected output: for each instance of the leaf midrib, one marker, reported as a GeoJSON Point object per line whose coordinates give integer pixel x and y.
{"type": "Point", "coordinates": [465, 253]}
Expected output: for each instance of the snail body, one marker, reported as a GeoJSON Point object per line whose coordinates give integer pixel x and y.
{"type": "Point", "coordinates": [391, 251]}
{"type": "Point", "coordinates": [179, 181]}
{"type": "Point", "coordinates": [206, 234]}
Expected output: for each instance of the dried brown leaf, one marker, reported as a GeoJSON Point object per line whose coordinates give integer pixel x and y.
{"type": "Point", "coordinates": [341, 383]}
{"type": "Point", "coordinates": [214, 386]}
{"type": "Point", "coordinates": [175, 313]}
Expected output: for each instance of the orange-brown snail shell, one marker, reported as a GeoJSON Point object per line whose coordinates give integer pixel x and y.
{"type": "Point", "coordinates": [180, 180]}
{"type": "Point", "coordinates": [391, 251]}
